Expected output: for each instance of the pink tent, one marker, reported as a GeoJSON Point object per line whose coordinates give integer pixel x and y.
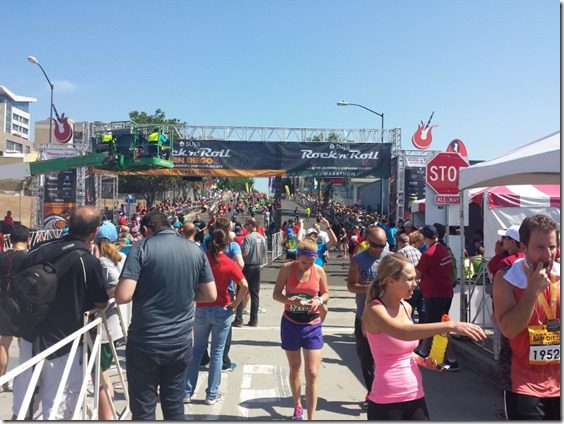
{"type": "Point", "coordinates": [519, 196]}
{"type": "Point", "coordinates": [510, 204]}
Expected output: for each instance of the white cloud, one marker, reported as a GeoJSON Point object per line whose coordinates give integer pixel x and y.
{"type": "Point", "coordinates": [64, 86]}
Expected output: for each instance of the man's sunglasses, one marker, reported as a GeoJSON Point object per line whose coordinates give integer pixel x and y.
{"type": "Point", "coordinates": [376, 245]}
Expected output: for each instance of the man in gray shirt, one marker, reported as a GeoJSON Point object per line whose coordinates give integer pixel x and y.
{"type": "Point", "coordinates": [254, 251]}
{"type": "Point", "coordinates": [163, 275]}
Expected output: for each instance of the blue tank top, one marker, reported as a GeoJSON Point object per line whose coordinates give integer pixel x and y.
{"type": "Point", "coordinates": [368, 269]}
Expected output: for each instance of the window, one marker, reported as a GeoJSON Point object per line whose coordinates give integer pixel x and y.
{"type": "Point", "coordinates": [13, 147]}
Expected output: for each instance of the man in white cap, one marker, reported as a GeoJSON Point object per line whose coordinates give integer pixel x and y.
{"type": "Point", "coordinates": [507, 250]}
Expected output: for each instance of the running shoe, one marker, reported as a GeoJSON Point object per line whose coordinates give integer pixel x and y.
{"type": "Point", "coordinates": [261, 309]}
{"type": "Point", "coordinates": [187, 399]}
{"type": "Point", "coordinates": [246, 312]}
{"type": "Point", "coordinates": [218, 398]}
{"type": "Point", "coordinates": [298, 414]}
{"type": "Point", "coordinates": [231, 367]}
{"type": "Point", "coordinates": [451, 366]}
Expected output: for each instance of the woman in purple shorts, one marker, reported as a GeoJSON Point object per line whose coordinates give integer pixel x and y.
{"type": "Point", "coordinates": [302, 287]}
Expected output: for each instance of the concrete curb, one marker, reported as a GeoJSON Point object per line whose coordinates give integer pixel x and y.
{"type": "Point", "coordinates": [477, 359]}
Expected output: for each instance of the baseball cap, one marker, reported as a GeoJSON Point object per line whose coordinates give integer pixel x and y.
{"type": "Point", "coordinates": [238, 230]}
{"type": "Point", "coordinates": [107, 232]}
{"type": "Point", "coordinates": [311, 231]}
{"type": "Point", "coordinates": [511, 232]}
{"type": "Point", "coordinates": [429, 231]}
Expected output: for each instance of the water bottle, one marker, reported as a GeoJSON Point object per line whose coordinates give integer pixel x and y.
{"type": "Point", "coordinates": [438, 348]}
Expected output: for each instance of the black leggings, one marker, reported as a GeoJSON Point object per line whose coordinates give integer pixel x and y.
{"type": "Point", "coordinates": [410, 410]}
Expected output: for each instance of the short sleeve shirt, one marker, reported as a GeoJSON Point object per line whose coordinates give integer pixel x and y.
{"type": "Point", "coordinates": [224, 270]}
{"type": "Point", "coordinates": [435, 267]}
{"type": "Point", "coordinates": [168, 269]}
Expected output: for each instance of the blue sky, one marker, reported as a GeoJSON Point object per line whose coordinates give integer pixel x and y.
{"type": "Point", "coordinates": [490, 69]}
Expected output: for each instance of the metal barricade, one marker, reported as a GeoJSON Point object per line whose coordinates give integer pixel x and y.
{"type": "Point", "coordinates": [86, 407]}
{"type": "Point", "coordinates": [277, 250]}
{"type": "Point", "coordinates": [35, 237]}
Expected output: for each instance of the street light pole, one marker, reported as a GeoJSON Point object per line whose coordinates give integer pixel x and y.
{"type": "Point", "coordinates": [381, 115]}
{"type": "Point", "coordinates": [33, 60]}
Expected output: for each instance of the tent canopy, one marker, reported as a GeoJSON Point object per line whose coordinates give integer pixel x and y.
{"type": "Point", "coordinates": [537, 162]}
{"type": "Point", "coordinates": [519, 196]}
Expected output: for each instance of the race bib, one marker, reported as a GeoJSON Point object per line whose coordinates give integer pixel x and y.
{"type": "Point", "coordinates": [544, 345]}
{"type": "Point", "coordinates": [300, 309]}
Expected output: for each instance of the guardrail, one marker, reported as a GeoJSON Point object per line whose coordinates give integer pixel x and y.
{"type": "Point", "coordinates": [277, 250]}
{"type": "Point", "coordinates": [91, 344]}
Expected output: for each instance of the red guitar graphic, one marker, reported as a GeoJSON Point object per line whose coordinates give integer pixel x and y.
{"type": "Point", "coordinates": [63, 128]}
{"type": "Point", "coordinates": [423, 137]}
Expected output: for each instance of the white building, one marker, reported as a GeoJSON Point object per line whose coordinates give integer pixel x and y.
{"type": "Point", "coordinates": [15, 122]}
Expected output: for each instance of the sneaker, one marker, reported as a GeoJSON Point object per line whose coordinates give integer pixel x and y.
{"type": "Point", "coordinates": [298, 414]}
{"type": "Point", "coordinates": [451, 366]}
{"type": "Point", "coordinates": [218, 398]}
{"type": "Point", "coordinates": [262, 310]}
{"type": "Point", "coordinates": [246, 312]}
{"type": "Point", "coordinates": [237, 322]}
{"type": "Point", "coordinates": [231, 367]}
{"type": "Point", "coordinates": [187, 399]}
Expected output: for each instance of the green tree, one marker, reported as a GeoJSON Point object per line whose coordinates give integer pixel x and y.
{"type": "Point", "coordinates": [235, 183]}
{"type": "Point", "coordinates": [151, 186]}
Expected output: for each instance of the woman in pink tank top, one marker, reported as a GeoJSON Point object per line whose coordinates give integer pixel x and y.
{"type": "Point", "coordinates": [397, 391]}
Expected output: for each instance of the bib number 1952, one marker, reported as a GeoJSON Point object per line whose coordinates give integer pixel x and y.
{"type": "Point", "coordinates": [543, 355]}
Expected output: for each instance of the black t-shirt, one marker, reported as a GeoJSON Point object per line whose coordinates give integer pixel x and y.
{"type": "Point", "coordinates": [199, 223]}
{"type": "Point", "coordinates": [75, 295]}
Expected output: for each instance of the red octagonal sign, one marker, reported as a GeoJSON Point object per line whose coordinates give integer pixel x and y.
{"type": "Point", "coordinates": [443, 172]}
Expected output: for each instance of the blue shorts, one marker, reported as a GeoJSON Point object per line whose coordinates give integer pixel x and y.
{"type": "Point", "coordinates": [295, 336]}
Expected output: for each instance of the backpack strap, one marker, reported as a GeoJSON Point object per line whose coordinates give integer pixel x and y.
{"type": "Point", "coordinates": [56, 255]}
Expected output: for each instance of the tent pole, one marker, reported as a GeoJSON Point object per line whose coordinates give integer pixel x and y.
{"type": "Point", "coordinates": [463, 306]}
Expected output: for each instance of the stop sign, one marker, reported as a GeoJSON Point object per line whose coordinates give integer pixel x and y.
{"type": "Point", "coordinates": [443, 172]}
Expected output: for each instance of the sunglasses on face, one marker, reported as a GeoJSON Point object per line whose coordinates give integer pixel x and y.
{"type": "Point", "coordinates": [376, 245]}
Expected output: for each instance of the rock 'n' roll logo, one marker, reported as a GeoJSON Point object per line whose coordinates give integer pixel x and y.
{"type": "Point", "coordinates": [63, 128]}
{"type": "Point", "coordinates": [423, 136]}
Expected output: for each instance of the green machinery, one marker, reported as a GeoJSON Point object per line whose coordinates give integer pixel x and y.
{"type": "Point", "coordinates": [134, 148]}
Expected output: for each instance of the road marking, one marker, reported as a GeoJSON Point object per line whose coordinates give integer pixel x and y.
{"type": "Point", "coordinates": [249, 396]}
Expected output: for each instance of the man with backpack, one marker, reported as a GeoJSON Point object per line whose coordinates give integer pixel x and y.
{"type": "Point", "coordinates": [11, 262]}
{"type": "Point", "coordinates": [69, 282]}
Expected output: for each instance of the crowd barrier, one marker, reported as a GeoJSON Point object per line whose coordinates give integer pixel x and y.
{"type": "Point", "coordinates": [87, 405]}
{"type": "Point", "coordinates": [277, 250]}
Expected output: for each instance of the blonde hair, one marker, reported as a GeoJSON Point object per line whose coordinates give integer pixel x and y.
{"type": "Point", "coordinates": [391, 265]}
{"type": "Point", "coordinates": [308, 244]}
{"type": "Point", "coordinates": [109, 250]}
{"type": "Point", "coordinates": [415, 236]}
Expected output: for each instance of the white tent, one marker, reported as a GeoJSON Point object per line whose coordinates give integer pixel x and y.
{"type": "Point", "coordinates": [534, 163]}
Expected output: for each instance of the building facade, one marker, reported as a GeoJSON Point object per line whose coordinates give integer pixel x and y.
{"type": "Point", "coordinates": [15, 124]}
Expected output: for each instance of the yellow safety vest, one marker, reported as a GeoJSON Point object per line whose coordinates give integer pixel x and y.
{"type": "Point", "coordinates": [107, 138]}
{"type": "Point", "coordinates": [153, 137]}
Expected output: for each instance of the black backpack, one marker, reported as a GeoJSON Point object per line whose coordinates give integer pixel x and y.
{"type": "Point", "coordinates": [31, 291]}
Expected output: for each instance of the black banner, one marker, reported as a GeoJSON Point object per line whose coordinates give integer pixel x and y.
{"type": "Point", "coordinates": [60, 187]}
{"type": "Point", "coordinates": [248, 158]}
{"type": "Point", "coordinates": [414, 183]}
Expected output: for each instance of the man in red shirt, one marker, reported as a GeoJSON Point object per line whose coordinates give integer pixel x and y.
{"type": "Point", "coordinates": [508, 250]}
{"type": "Point", "coordinates": [435, 271]}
